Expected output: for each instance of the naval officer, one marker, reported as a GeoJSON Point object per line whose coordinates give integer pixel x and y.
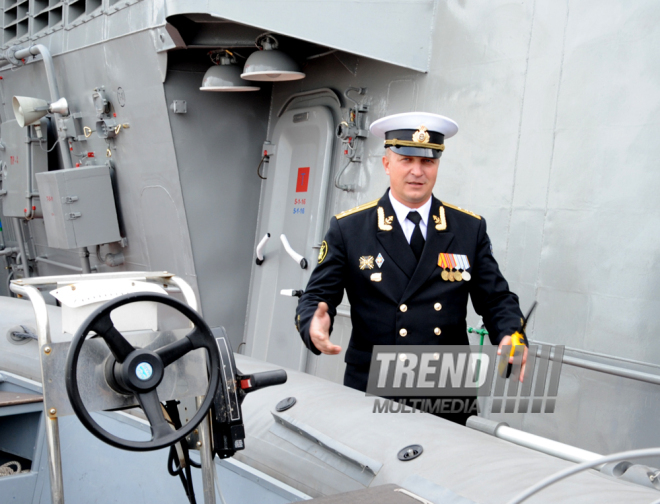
{"type": "Point", "coordinates": [407, 261]}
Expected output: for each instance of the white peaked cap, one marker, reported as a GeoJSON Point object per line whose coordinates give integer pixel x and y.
{"type": "Point", "coordinates": [412, 121]}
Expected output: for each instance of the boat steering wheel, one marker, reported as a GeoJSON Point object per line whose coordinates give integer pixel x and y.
{"type": "Point", "coordinates": [139, 371]}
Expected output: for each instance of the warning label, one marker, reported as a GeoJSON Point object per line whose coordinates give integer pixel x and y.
{"type": "Point", "coordinates": [303, 179]}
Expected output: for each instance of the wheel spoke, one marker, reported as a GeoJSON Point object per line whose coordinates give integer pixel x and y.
{"type": "Point", "coordinates": [154, 412]}
{"type": "Point", "coordinates": [197, 338]}
{"type": "Point", "coordinates": [175, 350]}
{"type": "Point", "coordinates": [118, 345]}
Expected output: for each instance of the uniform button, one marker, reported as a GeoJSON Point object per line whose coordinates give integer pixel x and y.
{"type": "Point", "coordinates": [437, 307]}
{"type": "Point", "coordinates": [403, 308]}
{"type": "Point", "coordinates": [404, 333]}
{"type": "Point", "coordinates": [437, 331]}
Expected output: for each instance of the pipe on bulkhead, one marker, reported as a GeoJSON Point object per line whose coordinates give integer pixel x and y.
{"type": "Point", "coordinates": [45, 260]}
{"type": "Point", "coordinates": [18, 231]}
{"type": "Point", "coordinates": [83, 253]}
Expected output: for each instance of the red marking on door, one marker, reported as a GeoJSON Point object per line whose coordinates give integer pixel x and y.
{"type": "Point", "coordinates": [303, 179]}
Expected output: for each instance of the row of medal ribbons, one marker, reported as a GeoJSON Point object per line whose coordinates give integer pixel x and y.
{"type": "Point", "coordinates": [454, 267]}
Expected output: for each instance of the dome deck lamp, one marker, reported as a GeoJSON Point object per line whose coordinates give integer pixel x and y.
{"type": "Point", "coordinates": [225, 75]}
{"type": "Point", "coordinates": [269, 64]}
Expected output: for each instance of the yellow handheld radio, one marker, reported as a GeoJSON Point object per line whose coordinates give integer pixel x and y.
{"type": "Point", "coordinates": [518, 338]}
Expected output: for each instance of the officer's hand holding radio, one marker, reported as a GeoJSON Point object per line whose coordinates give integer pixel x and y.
{"type": "Point", "coordinates": [508, 341]}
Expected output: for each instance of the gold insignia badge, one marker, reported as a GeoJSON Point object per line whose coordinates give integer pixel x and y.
{"type": "Point", "coordinates": [323, 252]}
{"type": "Point", "coordinates": [440, 221]}
{"type": "Point", "coordinates": [376, 277]}
{"type": "Point", "coordinates": [421, 135]}
{"type": "Point", "coordinates": [366, 262]}
{"type": "Point", "coordinates": [383, 223]}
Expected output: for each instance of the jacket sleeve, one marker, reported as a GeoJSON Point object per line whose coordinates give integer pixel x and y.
{"type": "Point", "coordinates": [490, 292]}
{"type": "Point", "coordinates": [326, 284]}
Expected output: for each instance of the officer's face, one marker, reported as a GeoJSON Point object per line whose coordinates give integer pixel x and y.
{"type": "Point", "coordinates": [411, 178]}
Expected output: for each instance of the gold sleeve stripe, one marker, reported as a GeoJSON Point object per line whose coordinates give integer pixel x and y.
{"type": "Point", "coordinates": [461, 210]}
{"type": "Point", "coordinates": [357, 209]}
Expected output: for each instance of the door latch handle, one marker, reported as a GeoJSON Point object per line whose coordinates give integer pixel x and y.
{"type": "Point", "coordinates": [291, 292]}
{"type": "Point", "coordinates": [294, 255]}
{"type": "Point", "coordinates": [260, 249]}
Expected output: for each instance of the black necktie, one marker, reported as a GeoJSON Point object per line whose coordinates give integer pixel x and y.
{"type": "Point", "coordinates": [416, 240]}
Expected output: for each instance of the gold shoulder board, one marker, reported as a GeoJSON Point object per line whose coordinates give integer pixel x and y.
{"type": "Point", "coordinates": [357, 209]}
{"type": "Point", "coordinates": [461, 210]}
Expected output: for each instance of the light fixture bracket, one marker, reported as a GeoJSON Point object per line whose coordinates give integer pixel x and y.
{"type": "Point", "coordinates": [222, 57]}
{"type": "Point", "coordinates": [267, 42]}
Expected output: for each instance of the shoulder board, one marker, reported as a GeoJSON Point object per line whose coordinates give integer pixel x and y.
{"type": "Point", "coordinates": [357, 209]}
{"type": "Point", "coordinates": [461, 210]}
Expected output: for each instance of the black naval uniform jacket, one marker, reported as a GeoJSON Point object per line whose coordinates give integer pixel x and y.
{"type": "Point", "coordinates": [404, 302]}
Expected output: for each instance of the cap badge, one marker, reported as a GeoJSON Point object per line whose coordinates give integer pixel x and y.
{"type": "Point", "coordinates": [421, 135]}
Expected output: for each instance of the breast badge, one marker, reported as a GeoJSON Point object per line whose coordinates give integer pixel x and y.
{"type": "Point", "coordinates": [366, 262]}
{"type": "Point", "coordinates": [454, 267]}
{"type": "Point", "coordinates": [379, 260]}
{"type": "Point", "coordinates": [376, 277]}
{"type": "Point", "coordinates": [323, 252]}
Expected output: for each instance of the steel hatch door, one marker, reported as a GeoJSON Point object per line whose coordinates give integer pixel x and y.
{"type": "Point", "coordinates": [294, 205]}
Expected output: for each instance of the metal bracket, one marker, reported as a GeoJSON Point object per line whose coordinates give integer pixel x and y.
{"type": "Point", "coordinates": [269, 149]}
{"type": "Point", "coordinates": [70, 199]}
{"type": "Point", "coordinates": [71, 128]}
{"type": "Point", "coordinates": [179, 107]}
{"type": "Point", "coordinates": [73, 215]}
{"type": "Point", "coordinates": [9, 54]}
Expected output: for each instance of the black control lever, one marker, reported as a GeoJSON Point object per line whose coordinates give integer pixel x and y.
{"type": "Point", "coordinates": [227, 416]}
{"type": "Point", "coordinates": [256, 381]}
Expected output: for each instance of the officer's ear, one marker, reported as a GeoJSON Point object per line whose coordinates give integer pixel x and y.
{"type": "Point", "coordinates": [386, 161]}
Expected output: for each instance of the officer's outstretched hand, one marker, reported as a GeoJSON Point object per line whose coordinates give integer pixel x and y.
{"type": "Point", "coordinates": [506, 341]}
{"type": "Point", "coordinates": [319, 331]}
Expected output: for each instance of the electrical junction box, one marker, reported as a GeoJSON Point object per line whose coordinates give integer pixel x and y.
{"type": "Point", "coordinates": [78, 206]}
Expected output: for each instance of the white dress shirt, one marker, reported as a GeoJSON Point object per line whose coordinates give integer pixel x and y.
{"type": "Point", "coordinates": [402, 211]}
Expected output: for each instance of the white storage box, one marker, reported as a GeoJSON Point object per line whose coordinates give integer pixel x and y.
{"type": "Point", "coordinates": [80, 299]}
